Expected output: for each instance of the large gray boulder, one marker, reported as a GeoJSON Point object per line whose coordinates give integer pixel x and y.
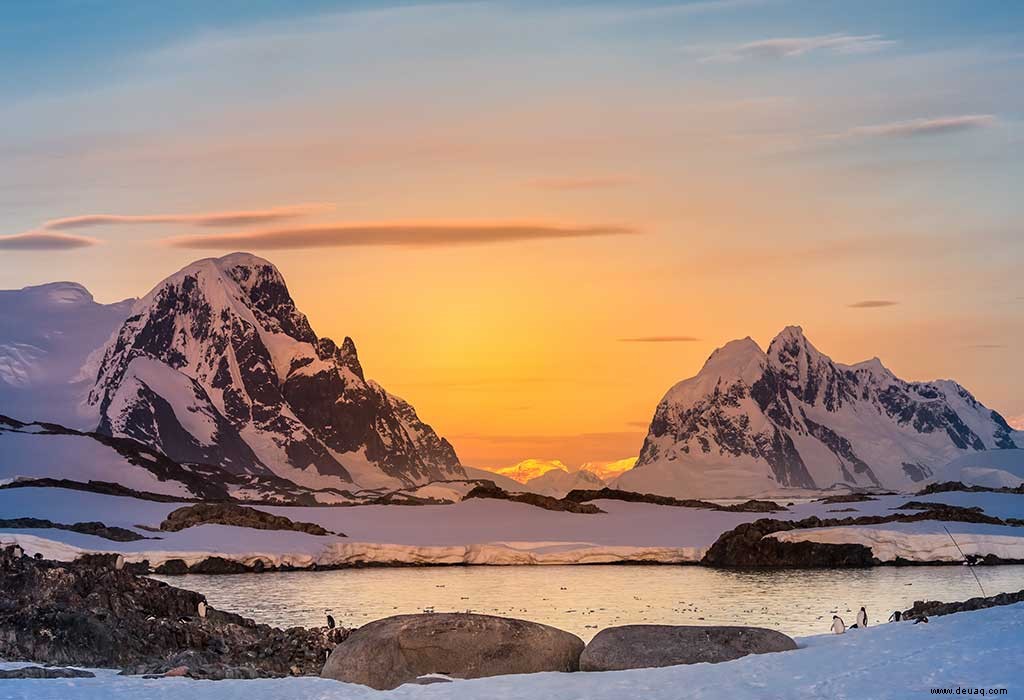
{"type": "Point", "coordinates": [396, 650]}
{"type": "Point", "coordinates": [651, 646]}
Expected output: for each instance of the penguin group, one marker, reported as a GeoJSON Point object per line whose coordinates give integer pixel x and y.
{"type": "Point", "coordinates": [839, 626]}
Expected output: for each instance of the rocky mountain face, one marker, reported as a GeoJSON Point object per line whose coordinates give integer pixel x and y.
{"type": "Point", "coordinates": [217, 365]}
{"type": "Point", "coordinates": [752, 421]}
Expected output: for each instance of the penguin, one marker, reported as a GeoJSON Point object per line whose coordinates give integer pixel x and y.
{"type": "Point", "coordinates": [202, 609]}
{"type": "Point", "coordinates": [330, 622]}
{"type": "Point", "coordinates": [119, 562]}
{"type": "Point", "coordinates": [838, 626]}
{"type": "Point", "coordinates": [17, 551]}
{"type": "Point", "coordinates": [896, 616]}
{"type": "Point", "coordinates": [923, 618]}
{"type": "Point", "coordinates": [862, 617]}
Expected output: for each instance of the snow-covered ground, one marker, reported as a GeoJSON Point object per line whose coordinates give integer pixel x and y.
{"type": "Point", "coordinates": [982, 650]}
{"type": "Point", "coordinates": [483, 531]}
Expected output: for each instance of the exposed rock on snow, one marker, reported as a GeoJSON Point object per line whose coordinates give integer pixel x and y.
{"type": "Point", "coordinates": [934, 608]}
{"type": "Point", "coordinates": [117, 534]}
{"type": "Point", "coordinates": [751, 506]}
{"type": "Point", "coordinates": [217, 365]}
{"type": "Point", "coordinates": [396, 650]}
{"type": "Point", "coordinates": [533, 499]}
{"type": "Point", "coordinates": [90, 614]}
{"type": "Point", "coordinates": [754, 421]}
{"type": "Point", "coordinates": [40, 672]}
{"type": "Point", "coordinates": [654, 646]}
{"type": "Point", "coordinates": [239, 516]}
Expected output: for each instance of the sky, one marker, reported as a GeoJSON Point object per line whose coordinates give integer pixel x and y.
{"type": "Point", "coordinates": [533, 218]}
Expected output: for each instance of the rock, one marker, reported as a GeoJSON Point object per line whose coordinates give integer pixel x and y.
{"type": "Point", "coordinates": [231, 514]}
{"type": "Point", "coordinates": [396, 650]}
{"type": "Point", "coordinates": [489, 490]}
{"type": "Point", "coordinates": [176, 672]}
{"type": "Point", "coordinates": [653, 646]}
{"type": "Point", "coordinates": [935, 608]}
{"type": "Point", "coordinates": [40, 672]}
{"type": "Point", "coordinates": [88, 613]}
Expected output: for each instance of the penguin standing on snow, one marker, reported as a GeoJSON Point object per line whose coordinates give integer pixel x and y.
{"type": "Point", "coordinates": [896, 616]}
{"type": "Point", "coordinates": [862, 618]}
{"type": "Point", "coordinates": [838, 626]}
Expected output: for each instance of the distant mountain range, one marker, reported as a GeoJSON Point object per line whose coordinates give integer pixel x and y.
{"type": "Point", "coordinates": [214, 384]}
{"type": "Point", "coordinates": [753, 421]}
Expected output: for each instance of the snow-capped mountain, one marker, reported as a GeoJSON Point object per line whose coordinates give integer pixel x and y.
{"type": "Point", "coordinates": [216, 365]}
{"type": "Point", "coordinates": [558, 482]}
{"type": "Point", "coordinates": [46, 333]}
{"type": "Point", "coordinates": [752, 421]}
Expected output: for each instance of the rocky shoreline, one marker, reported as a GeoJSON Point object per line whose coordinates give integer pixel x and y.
{"type": "Point", "coordinates": [97, 614]}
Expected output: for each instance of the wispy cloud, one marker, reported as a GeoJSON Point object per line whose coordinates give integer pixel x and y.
{"type": "Point", "coordinates": [987, 346]}
{"type": "Point", "coordinates": [212, 219]}
{"type": "Point", "coordinates": [660, 339]}
{"type": "Point", "coordinates": [578, 183]}
{"type": "Point", "coordinates": [924, 127]}
{"type": "Point", "coordinates": [873, 304]}
{"type": "Point", "coordinates": [42, 240]}
{"type": "Point", "coordinates": [792, 47]}
{"type": "Point", "coordinates": [405, 234]}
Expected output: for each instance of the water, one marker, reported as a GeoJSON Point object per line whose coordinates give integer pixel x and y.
{"type": "Point", "coordinates": [586, 599]}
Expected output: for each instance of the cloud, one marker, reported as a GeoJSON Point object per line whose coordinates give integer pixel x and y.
{"type": "Point", "coordinates": [41, 240]}
{"type": "Point", "coordinates": [660, 339]}
{"type": "Point", "coordinates": [212, 219]}
{"type": "Point", "coordinates": [1016, 422]}
{"type": "Point", "coordinates": [408, 234]}
{"type": "Point", "coordinates": [579, 183]}
{"type": "Point", "coordinates": [987, 346]}
{"type": "Point", "coordinates": [924, 127]}
{"type": "Point", "coordinates": [791, 47]}
{"type": "Point", "coordinates": [873, 304]}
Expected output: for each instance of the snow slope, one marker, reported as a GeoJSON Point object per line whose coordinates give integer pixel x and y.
{"type": "Point", "coordinates": [559, 482]}
{"type": "Point", "coordinates": [992, 468]}
{"type": "Point", "coordinates": [477, 531]}
{"type": "Point", "coordinates": [980, 649]}
{"type": "Point", "coordinates": [753, 422]}
{"type": "Point", "coordinates": [46, 334]}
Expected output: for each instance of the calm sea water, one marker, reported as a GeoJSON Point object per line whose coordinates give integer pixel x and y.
{"type": "Point", "coordinates": [585, 599]}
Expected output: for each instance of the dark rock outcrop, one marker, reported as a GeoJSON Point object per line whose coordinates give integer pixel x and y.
{"type": "Point", "coordinates": [751, 506]}
{"type": "Point", "coordinates": [934, 608]}
{"type": "Point", "coordinates": [117, 534]}
{"type": "Point", "coordinates": [40, 672]}
{"type": "Point", "coordinates": [88, 613]}
{"type": "Point", "coordinates": [489, 490]}
{"type": "Point", "coordinates": [239, 516]}
{"type": "Point", "coordinates": [654, 646]}
{"type": "Point", "coordinates": [396, 650]}
{"type": "Point", "coordinates": [746, 545]}
{"type": "Point", "coordinates": [947, 486]}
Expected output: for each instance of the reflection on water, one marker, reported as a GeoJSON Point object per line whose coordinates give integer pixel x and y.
{"type": "Point", "coordinates": [585, 599]}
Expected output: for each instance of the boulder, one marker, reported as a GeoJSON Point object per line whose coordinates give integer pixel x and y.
{"type": "Point", "coordinates": [653, 646]}
{"type": "Point", "coordinates": [396, 650]}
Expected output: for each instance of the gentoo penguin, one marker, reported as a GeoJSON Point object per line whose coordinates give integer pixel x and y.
{"type": "Point", "coordinates": [119, 562]}
{"type": "Point", "coordinates": [862, 617]}
{"type": "Point", "coordinates": [202, 609]}
{"type": "Point", "coordinates": [330, 622]}
{"type": "Point", "coordinates": [16, 552]}
{"type": "Point", "coordinates": [838, 626]}
{"type": "Point", "coordinates": [896, 616]}
{"type": "Point", "coordinates": [923, 618]}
